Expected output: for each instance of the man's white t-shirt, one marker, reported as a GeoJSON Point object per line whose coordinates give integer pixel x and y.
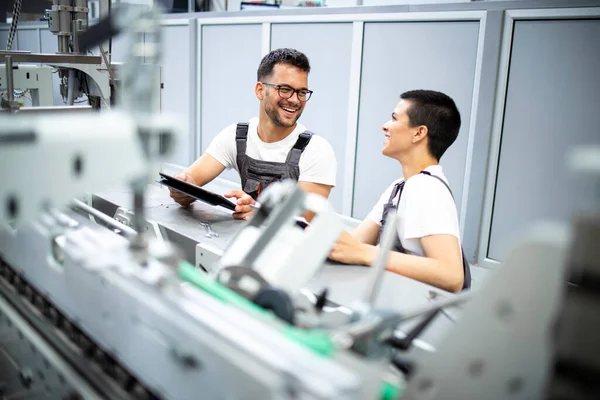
{"type": "Point", "coordinates": [317, 163]}
{"type": "Point", "coordinates": [426, 208]}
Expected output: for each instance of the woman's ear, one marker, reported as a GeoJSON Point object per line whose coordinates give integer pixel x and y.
{"type": "Point", "coordinates": [420, 133]}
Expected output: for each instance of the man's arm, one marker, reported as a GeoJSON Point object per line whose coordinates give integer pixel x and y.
{"type": "Point", "coordinates": [203, 170]}
{"type": "Point", "coordinates": [440, 267]}
{"type": "Point", "coordinates": [317, 188]}
{"type": "Point", "coordinates": [243, 210]}
{"type": "Point", "coordinates": [311, 187]}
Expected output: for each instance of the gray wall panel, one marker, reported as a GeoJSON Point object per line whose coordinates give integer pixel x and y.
{"type": "Point", "coordinates": [28, 40]}
{"type": "Point", "coordinates": [422, 55]}
{"type": "Point", "coordinates": [176, 79]}
{"type": "Point", "coordinates": [4, 37]}
{"type": "Point", "coordinates": [552, 102]}
{"type": "Point", "coordinates": [328, 46]}
{"type": "Point", "coordinates": [483, 122]}
{"type": "Point", "coordinates": [50, 45]}
{"type": "Point", "coordinates": [119, 47]}
{"type": "Point", "coordinates": [49, 41]}
{"type": "Point", "coordinates": [230, 57]}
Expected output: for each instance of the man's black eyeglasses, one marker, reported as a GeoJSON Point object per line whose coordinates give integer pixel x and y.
{"type": "Point", "coordinates": [285, 91]}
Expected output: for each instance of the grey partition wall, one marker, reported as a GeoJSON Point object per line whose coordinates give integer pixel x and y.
{"type": "Point", "coordinates": [328, 46]}
{"type": "Point", "coordinates": [49, 44]}
{"type": "Point", "coordinates": [230, 55]}
{"type": "Point", "coordinates": [552, 98]}
{"type": "Point", "coordinates": [401, 56]}
{"type": "Point", "coordinates": [4, 38]}
{"type": "Point", "coordinates": [119, 48]}
{"type": "Point", "coordinates": [176, 78]}
{"type": "Point", "coordinates": [28, 39]}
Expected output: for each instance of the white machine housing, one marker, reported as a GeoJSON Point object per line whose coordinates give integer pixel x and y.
{"type": "Point", "coordinates": [37, 79]}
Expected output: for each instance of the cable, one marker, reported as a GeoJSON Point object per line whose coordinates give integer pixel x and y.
{"type": "Point", "coordinates": [13, 25]}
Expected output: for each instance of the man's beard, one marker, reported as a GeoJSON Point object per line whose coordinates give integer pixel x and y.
{"type": "Point", "coordinates": [273, 114]}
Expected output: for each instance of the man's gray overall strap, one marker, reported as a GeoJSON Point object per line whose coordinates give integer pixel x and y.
{"type": "Point", "coordinates": [257, 175]}
{"type": "Point", "coordinates": [293, 157]}
{"type": "Point", "coordinates": [241, 134]}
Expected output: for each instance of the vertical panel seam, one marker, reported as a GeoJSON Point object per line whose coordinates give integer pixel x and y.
{"type": "Point", "coordinates": [353, 111]}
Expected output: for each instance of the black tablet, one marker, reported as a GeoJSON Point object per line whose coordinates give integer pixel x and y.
{"type": "Point", "coordinates": [195, 192]}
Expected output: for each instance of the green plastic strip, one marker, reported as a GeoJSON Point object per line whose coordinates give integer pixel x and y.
{"type": "Point", "coordinates": [389, 391]}
{"type": "Point", "coordinates": [318, 341]}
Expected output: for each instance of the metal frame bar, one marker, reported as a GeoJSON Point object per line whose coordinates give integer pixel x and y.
{"type": "Point", "coordinates": [352, 122]}
{"type": "Point", "coordinates": [175, 21]}
{"type": "Point", "coordinates": [50, 58]}
{"type": "Point", "coordinates": [198, 130]}
{"type": "Point", "coordinates": [471, 134]}
{"type": "Point", "coordinates": [193, 76]}
{"type": "Point", "coordinates": [373, 17]}
{"type": "Point", "coordinates": [39, 38]}
{"type": "Point", "coordinates": [510, 17]}
{"type": "Point", "coordinates": [266, 38]}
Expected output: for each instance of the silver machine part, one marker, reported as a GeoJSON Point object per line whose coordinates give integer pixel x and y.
{"type": "Point", "coordinates": [29, 57]}
{"type": "Point", "coordinates": [9, 103]}
{"type": "Point", "coordinates": [36, 365]}
{"type": "Point", "coordinates": [178, 341]}
{"type": "Point", "coordinates": [10, 87]}
{"type": "Point", "coordinates": [531, 332]}
{"type": "Point", "coordinates": [500, 348]}
{"type": "Point", "coordinates": [65, 19]}
{"type": "Point", "coordinates": [274, 246]}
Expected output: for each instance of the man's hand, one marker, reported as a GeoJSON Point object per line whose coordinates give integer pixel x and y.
{"type": "Point", "coordinates": [244, 200]}
{"type": "Point", "coordinates": [349, 250]}
{"type": "Point", "coordinates": [179, 197]}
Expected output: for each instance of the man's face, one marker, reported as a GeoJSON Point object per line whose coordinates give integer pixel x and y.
{"type": "Point", "coordinates": [398, 133]}
{"type": "Point", "coordinates": [283, 112]}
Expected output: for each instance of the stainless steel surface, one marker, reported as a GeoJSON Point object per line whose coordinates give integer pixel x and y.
{"type": "Point", "coordinates": [77, 27]}
{"type": "Point", "coordinates": [63, 45]}
{"type": "Point", "coordinates": [178, 340]}
{"type": "Point", "coordinates": [186, 221]}
{"type": "Point", "coordinates": [437, 305]}
{"type": "Point", "coordinates": [127, 231]}
{"type": "Point", "coordinates": [500, 347]}
{"type": "Point", "coordinates": [55, 109]}
{"type": "Point", "coordinates": [48, 58]}
{"type": "Point", "coordinates": [29, 367]}
{"type": "Point", "coordinates": [345, 283]}
{"type": "Point", "coordinates": [10, 87]}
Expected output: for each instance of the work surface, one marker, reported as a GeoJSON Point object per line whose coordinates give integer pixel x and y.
{"type": "Point", "coordinates": [346, 283]}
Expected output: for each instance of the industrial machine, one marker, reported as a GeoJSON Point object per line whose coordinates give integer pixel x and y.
{"type": "Point", "coordinates": [32, 85]}
{"type": "Point", "coordinates": [81, 75]}
{"type": "Point", "coordinates": [93, 306]}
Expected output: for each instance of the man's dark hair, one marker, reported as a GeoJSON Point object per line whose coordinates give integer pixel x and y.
{"type": "Point", "coordinates": [282, 56]}
{"type": "Point", "coordinates": [438, 113]}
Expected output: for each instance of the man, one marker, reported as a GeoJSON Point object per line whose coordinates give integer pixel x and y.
{"type": "Point", "coordinates": [273, 146]}
{"type": "Point", "coordinates": [423, 125]}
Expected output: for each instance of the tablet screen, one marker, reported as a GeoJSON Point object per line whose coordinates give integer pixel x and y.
{"type": "Point", "coordinates": [195, 192]}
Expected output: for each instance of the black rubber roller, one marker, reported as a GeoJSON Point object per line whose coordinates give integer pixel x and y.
{"type": "Point", "coordinates": [277, 301]}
